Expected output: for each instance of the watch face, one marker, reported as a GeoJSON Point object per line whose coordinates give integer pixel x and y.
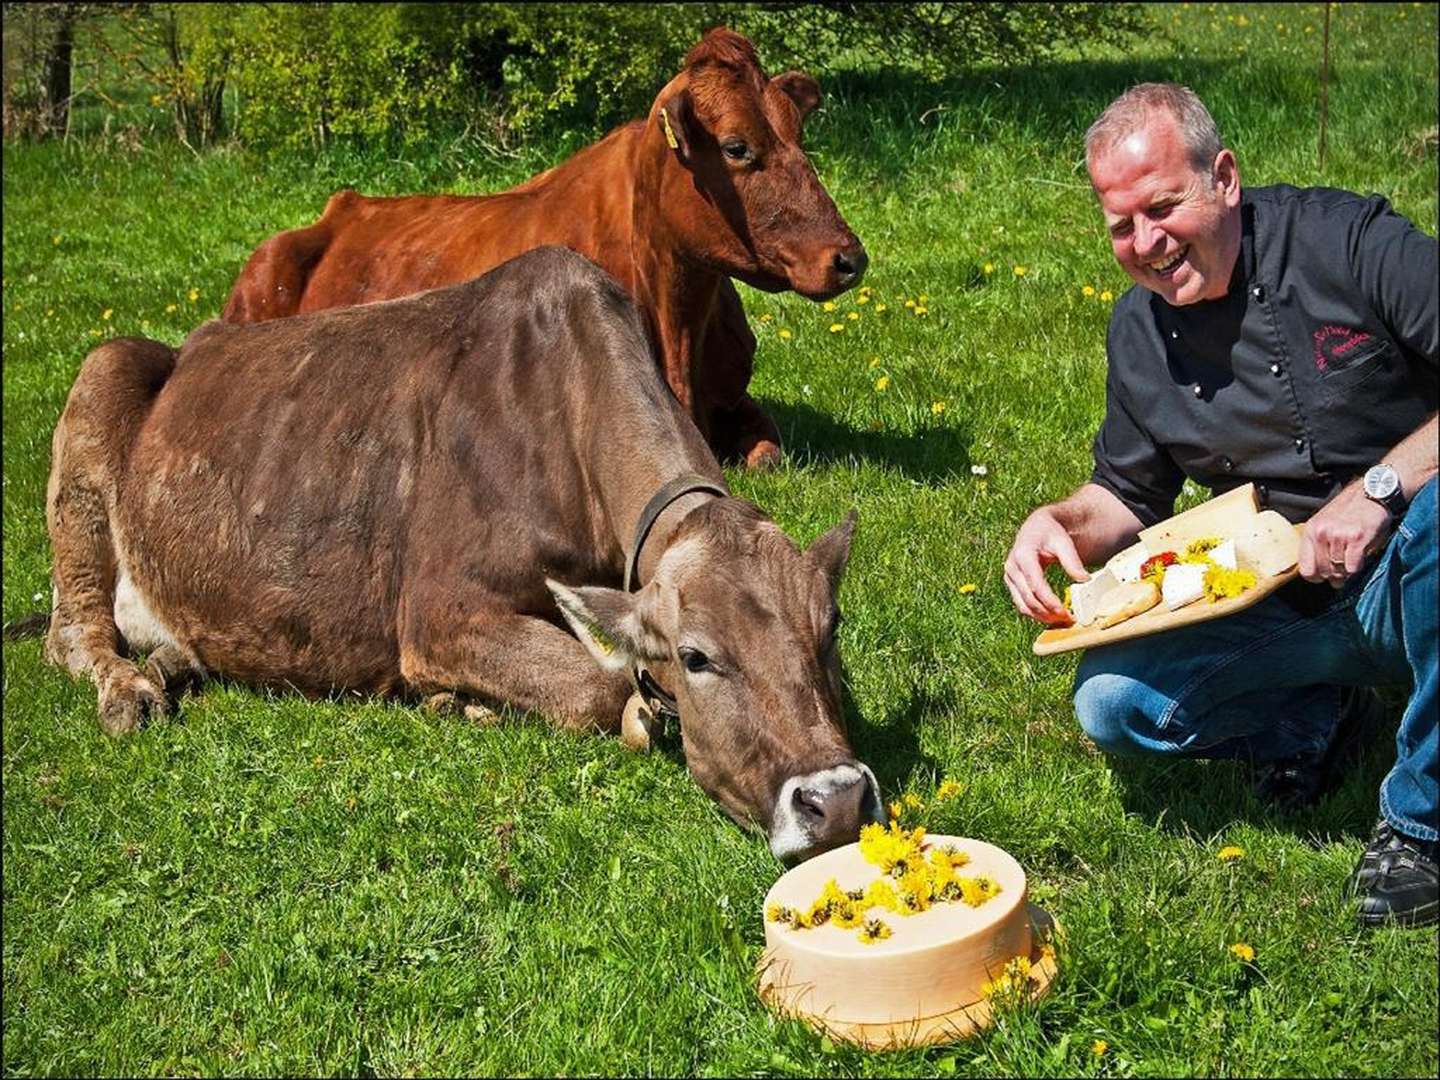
{"type": "Point", "coordinates": [1381, 482]}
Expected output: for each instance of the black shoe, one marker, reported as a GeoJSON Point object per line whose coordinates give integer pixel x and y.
{"type": "Point", "coordinates": [1395, 880]}
{"type": "Point", "coordinates": [1293, 784]}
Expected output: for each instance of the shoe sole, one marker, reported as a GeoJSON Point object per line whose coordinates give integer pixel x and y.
{"type": "Point", "coordinates": [1425, 915]}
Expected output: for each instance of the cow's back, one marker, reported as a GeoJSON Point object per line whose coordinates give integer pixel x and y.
{"type": "Point", "coordinates": [326, 460]}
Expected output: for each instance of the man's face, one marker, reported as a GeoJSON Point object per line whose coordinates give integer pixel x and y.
{"type": "Point", "coordinates": [1174, 230]}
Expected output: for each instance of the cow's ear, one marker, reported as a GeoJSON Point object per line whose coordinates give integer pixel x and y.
{"type": "Point", "coordinates": [677, 121]}
{"type": "Point", "coordinates": [614, 626]}
{"type": "Point", "coordinates": [801, 89]}
{"type": "Point", "coordinates": [832, 551]}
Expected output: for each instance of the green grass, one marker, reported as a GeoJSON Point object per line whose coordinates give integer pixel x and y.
{"type": "Point", "coordinates": [265, 884]}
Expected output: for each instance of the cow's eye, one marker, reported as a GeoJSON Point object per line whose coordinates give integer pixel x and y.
{"type": "Point", "coordinates": [695, 661]}
{"type": "Point", "coordinates": [735, 150]}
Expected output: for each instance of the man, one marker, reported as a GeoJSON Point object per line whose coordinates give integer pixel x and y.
{"type": "Point", "coordinates": [1287, 337]}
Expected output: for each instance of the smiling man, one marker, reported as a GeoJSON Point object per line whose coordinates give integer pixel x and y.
{"type": "Point", "coordinates": [1287, 337]}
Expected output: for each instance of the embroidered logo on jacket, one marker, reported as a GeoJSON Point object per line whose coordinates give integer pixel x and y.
{"type": "Point", "coordinates": [1335, 346]}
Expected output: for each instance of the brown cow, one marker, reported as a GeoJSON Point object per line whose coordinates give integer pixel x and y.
{"type": "Point", "coordinates": [735, 196]}
{"type": "Point", "coordinates": [396, 497]}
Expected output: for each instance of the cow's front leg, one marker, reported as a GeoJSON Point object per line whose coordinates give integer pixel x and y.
{"type": "Point", "coordinates": [519, 660]}
{"type": "Point", "coordinates": [745, 433]}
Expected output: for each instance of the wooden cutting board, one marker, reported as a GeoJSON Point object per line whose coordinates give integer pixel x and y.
{"type": "Point", "coordinates": [1225, 515]}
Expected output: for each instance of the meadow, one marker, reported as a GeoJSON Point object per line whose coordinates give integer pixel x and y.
{"type": "Point", "coordinates": [263, 884]}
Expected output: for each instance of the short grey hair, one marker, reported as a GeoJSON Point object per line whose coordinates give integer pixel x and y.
{"type": "Point", "coordinates": [1130, 111]}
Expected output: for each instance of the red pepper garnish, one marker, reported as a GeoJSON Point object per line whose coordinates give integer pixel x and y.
{"type": "Point", "coordinates": [1165, 558]}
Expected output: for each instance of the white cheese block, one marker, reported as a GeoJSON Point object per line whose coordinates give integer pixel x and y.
{"type": "Point", "coordinates": [1184, 583]}
{"type": "Point", "coordinates": [1126, 565]}
{"type": "Point", "coordinates": [1085, 596]}
{"type": "Point", "coordinates": [1224, 554]}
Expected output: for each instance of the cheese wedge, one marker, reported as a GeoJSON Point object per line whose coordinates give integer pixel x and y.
{"type": "Point", "coordinates": [1125, 601]}
{"type": "Point", "coordinates": [1184, 584]}
{"type": "Point", "coordinates": [1126, 564]}
{"type": "Point", "coordinates": [1224, 554]}
{"type": "Point", "coordinates": [1269, 545]}
{"type": "Point", "coordinates": [1085, 596]}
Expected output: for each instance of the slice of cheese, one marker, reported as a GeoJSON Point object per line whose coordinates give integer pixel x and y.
{"type": "Point", "coordinates": [1269, 546]}
{"type": "Point", "coordinates": [1126, 564]}
{"type": "Point", "coordinates": [1225, 515]}
{"type": "Point", "coordinates": [1184, 584]}
{"type": "Point", "coordinates": [1125, 601]}
{"type": "Point", "coordinates": [1085, 596]}
{"type": "Point", "coordinates": [1224, 554]}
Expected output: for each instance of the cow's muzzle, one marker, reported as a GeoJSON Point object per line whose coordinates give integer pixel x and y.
{"type": "Point", "coordinates": [821, 810]}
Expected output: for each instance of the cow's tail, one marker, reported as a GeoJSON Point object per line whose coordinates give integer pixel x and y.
{"type": "Point", "coordinates": [27, 626]}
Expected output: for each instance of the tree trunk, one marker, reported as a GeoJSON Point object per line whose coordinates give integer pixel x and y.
{"type": "Point", "coordinates": [57, 74]}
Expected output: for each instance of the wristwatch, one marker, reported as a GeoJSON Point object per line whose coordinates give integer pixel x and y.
{"type": "Point", "coordinates": [1382, 485]}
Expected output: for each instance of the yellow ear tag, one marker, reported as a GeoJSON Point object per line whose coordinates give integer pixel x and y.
{"type": "Point", "coordinates": [669, 131]}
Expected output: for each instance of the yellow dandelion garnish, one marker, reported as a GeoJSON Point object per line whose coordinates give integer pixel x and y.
{"type": "Point", "coordinates": [882, 383]}
{"type": "Point", "coordinates": [829, 305]}
{"type": "Point", "coordinates": [1107, 296]}
{"type": "Point", "coordinates": [835, 328]}
{"type": "Point", "coordinates": [1244, 951]}
{"type": "Point", "coordinates": [194, 295]}
{"type": "Point", "coordinates": [852, 316]}
{"type": "Point", "coordinates": [1088, 290]}
{"type": "Point", "coordinates": [784, 335]}
{"type": "Point", "coordinates": [1098, 1047]}
{"type": "Point", "coordinates": [948, 789]}
{"type": "Point", "coordinates": [1221, 582]}
{"type": "Point", "coordinates": [968, 588]}
{"type": "Point", "coordinates": [895, 810]}
{"type": "Point", "coordinates": [880, 893]}
{"type": "Point", "coordinates": [874, 930]}
{"type": "Point", "coordinates": [107, 313]}
{"type": "Point", "coordinates": [1021, 271]}
{"type": "Point", "coordinates": [879, 308]}
{"type": "Point", "coordinates": [989, 268]}
{"type": "Point", "coordinates": [1230, 853]}
{"type": "Point", "coordinates": [937, 407]}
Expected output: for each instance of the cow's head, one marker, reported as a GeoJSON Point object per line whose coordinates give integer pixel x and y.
{"type": "Point", "coordinates": [735, 187]}
{"type": "Point", "coordinates": [739, 625]}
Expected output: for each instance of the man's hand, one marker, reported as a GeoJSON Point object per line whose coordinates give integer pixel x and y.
{"type": "Point", "coordinates": [1041, 541]}
{"type": "Point", "coordinates": [1342, 535]}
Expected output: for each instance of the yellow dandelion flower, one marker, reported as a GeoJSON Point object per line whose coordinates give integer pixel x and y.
{"type": "Point", "coordinates": [882, 384]}
{"type": "Point", "coordinates": [829, 305]}
{"type": "Point", "coordinates": [317, 761]}
{"type": "Point", "coordinates": [913, 801]}
{"type": "Point", "coordinates": [989, 268]}
{"type": "Point", "coordinates": [194, 295]}
{"type": "Point", "coordinates": [968, 588]}
{"type": "Point", "coordinates": [853, 315]}
{"type": "Point", "coordinates": [1221, 582]}
{"type": "Point", "coordinates": [766, 317]}
{"type": "Point", "coordinates": [784, 335]}
{"type": "Point", "coordinates": [169, 309]}
{"type": "Point", "coordinates": [835, 328]}
{"type": "Point", "coordinates": [879, 308]}
{"type": "Point", "coordinates": [1021, 271]}
{"type": "Point", "coordinates": [1230, 853]}
{"type": "Point", "coordinates": [937, 407]}
{"type": "Point", "coordinates": [874, 362]}
{"type": "Point", "coordinates": [895, 810]}
{"type": "Point", "coordinates": [107, 313]}
{"type": "Point", "coordinates": [1098, 1047]}
{"type": "Point", "coordinates": [922, 311]}
{"type": "Point", "coordinates": [155, 99]}
{"type": "Point", "coordinates": [948, 789]}
{"type": "Point", "coordinates": [910, 303]}
{"type": "Point", "coordinates": [55, 240]}
{"type": "Point", "coordinates": [874, 930]}
{"type": "Point", "coordinates": [1088, 290]}
{"type": "Point", "coordinates": [1244, 951]}
{"type": "Point", "coordinates": [924, 299]}
{"type": "Point", "coordinates": [863, 298]}
{"type": "Point", "coordinates": [1107, 296]}
{"type": "Point", "coordinates": [49, 311]}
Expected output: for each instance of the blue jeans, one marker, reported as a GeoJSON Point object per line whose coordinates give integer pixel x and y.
{"type": "Point", "coordinates": [1264, 683]}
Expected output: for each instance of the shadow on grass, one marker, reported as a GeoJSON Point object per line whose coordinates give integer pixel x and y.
{"type": "Point", "coordinates": [931, 457]}
{"type": "Point", "coordinates": [1202, 798]}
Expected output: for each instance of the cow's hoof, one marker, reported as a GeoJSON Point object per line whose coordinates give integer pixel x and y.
{"type": "Point", "coordinates": [127, 701]}
{"type": "Point", "coordinates": [763, 455]}
{"type": "Point", "coordinates": [482, 715]}
{"type": "Point", "coordinates": [442, 704]}
{"type": "Point", "coordinates": [635, 724]}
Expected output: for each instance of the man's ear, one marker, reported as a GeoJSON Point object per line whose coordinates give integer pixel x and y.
{"type": "Point", "coordinates": [614, 626]}
{"type": "Point", "coordinates": [677, 120]}
{"type": "Point", "coordinates": [831, 552]}
{"type": "Point", "coordinates": [1226, 173]}
{"type": "Point", "coordinates": [801, 89]}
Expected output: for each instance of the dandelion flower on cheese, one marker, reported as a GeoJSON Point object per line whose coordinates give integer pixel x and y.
{"type": "Point", "coordinates": [874, 930]}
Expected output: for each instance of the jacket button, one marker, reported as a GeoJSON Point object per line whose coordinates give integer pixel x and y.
{"type": "Point", "coordinates": [1299, 445]}
{"type": "Point", "coordinates": [1258, 292]}
{"type": "Point", "coordinates": [1275, 367]}
{"type": "Point", "coordinates": [1227, 464]}
{"type": "Point", "coordinates": [1263, 491]}
{"type": "Point", "coordinates": [1199, 390]}
{"type": "Point", "coordinates": [1174, 335]}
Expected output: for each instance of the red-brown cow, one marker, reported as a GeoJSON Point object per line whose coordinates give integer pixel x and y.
{"type": "Point", "coordinates": [712, 184]}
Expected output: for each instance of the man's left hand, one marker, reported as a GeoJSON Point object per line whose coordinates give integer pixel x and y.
{"type": "Point", "coordinates": [1342, 535]}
